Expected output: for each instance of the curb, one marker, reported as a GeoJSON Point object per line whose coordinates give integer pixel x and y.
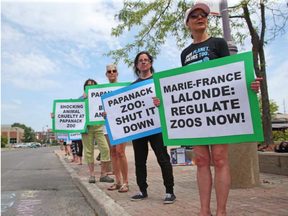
{"type": "Point", "coordinates": [99, 201]}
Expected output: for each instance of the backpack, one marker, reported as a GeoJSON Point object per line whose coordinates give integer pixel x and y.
{"type": "Point", "coordinates": [282, 148]}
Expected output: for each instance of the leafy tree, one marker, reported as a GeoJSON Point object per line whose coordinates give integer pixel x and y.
{"type": "Point", "coordinates": [29, 133]}
{"type": "Point", "coordinates": [4, 141]}
{"type": "Point", "coordinates": [273, 106]}
{"type": "Point", "coordinates": [159, 20]}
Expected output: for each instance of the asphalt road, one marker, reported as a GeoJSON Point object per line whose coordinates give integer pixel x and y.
{"type": "Point", "coordinates": [35, 182]}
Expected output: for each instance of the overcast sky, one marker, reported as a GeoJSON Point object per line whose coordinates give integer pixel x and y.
{"type": "Point", "coordinates": [49, 48]}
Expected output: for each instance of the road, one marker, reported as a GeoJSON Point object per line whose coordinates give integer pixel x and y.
{"type": "Point", "coordinates": [35, 182]}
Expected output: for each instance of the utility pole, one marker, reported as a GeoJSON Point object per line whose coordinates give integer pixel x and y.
{"type": "Point", "coordinates": [243, 175]}
{"type": "Point", "coordinates": [284, 103]}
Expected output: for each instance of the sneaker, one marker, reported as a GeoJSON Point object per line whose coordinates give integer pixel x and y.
{"type": "Point", "coordinates": [92, 179]}
{"type": "Point", "coordinates": [139, 196]}
{"type": "Point", "coordinates": [106, 179]}
{"type": "Point", "coordinates": [169, 198]}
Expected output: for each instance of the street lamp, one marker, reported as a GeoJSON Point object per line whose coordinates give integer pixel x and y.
{"type": "Point", "coordinates": [226, 27]}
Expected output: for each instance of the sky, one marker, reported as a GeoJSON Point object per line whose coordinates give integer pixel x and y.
{"type": "Point", "coordinates": [49, 48]}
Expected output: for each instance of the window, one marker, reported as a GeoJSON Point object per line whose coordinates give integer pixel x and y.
{"type": "Point", "coordinates": [13, 140]}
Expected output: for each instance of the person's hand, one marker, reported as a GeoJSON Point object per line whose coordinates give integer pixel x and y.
{"type": "Point", "coordinates": [156, 101]}
{"type": "Point", "coordinates": [104, 115]}
{"type": "Point", "coordinates": [52, 115]}
{"type": "Point", "coordinates": [255, 86]}
{"type": "Point", "coordinates": [85, 95]}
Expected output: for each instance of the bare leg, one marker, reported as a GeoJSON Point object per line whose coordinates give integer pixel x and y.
{"type": "Point", "coordinates": [222, 176]}
{"type": "Point", "coordinates": [103, 169]}
{"type": "Point", "coordinates": [204, 178]}
{"type": "Point", "coordinates": [80, 160]}
{"type": "Point", "coordinates": [122, 161]}
{"type": "Point", "coordinates": [114, 161]}
{"type": "Point", "coordinates": [91, 169]}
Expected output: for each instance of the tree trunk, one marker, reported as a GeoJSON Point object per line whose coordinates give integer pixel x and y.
{"type": "Point", "coordinates": [260, 70]}
{"type": "Point", "coordinates": [266, 116]}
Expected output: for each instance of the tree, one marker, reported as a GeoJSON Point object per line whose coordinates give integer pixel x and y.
{"type": "Point", "coordinates": [29, 133]}
{"type": "Point", "coordinates": [4, 141]}
{"type": "Point", "coordinates": [165, 19]}
{"type": "Point", "coordinates": [273, 106]}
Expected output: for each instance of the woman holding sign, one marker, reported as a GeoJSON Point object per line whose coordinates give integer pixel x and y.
{"type": "Point", "coordinates": [118, 157]}
{"type": "Point", "coordinates": [143, 69]}
{"type": "Point", "coordinates": [95, 132]}
{"type": "Point", "coordinates": [206, 48]}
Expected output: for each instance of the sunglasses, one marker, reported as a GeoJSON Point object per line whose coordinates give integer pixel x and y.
{"type": "Point", "coordinates": [143, 60]}
{"type": "Point", "coordinates": [110, 71]}
{"type": "Point", "coordinates": [196, 15]}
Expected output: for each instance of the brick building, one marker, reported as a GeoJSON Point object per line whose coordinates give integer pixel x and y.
{"type": "Point", "coordinates": [50, 135]}
{"type": "Point", "coordinates": [14, 134]}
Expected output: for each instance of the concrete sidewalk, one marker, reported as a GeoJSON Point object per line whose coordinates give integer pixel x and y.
{"type": "Point", "coordinates": [270, 198]}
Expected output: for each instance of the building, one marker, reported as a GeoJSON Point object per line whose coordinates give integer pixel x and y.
{"type": "Point", "coordinates": [280, 122]}
{"type": "Point", "coordinates": [13, 134]}
{"type": "Point", "coordinates": [38, 135]}
{"type": "Point", "coordinates": [50, 135]}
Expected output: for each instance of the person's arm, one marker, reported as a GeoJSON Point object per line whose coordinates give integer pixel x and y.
{"type": "Point", "coordinates": [52, 115]}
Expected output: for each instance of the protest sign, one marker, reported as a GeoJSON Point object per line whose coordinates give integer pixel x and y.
{"type": "Point", "coordinates": [74, 136]}
{"type": "Point", "coordinates": [209, 103]}
{"type": "Point", "coordinates": [69, 115]}
{"type": "Point", "coordinates": [94, 107]}
{"type": "Point", "coordinates": [131, 113]}
{"type": "Point", "coordinates": [62, 136]}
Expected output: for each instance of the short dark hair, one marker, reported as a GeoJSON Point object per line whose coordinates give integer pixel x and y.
{"type": "Point", "coordinates": [86, 82]}
{"type": "Point", "coordinates": [135, 69]}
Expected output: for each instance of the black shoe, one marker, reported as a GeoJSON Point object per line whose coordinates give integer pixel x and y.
{"type": "Point", "coordinates": [98, 157]}
{"type": "Point", "coordinates": [169, 198]}
{"type": "Point", "coordinates": [139, 196]}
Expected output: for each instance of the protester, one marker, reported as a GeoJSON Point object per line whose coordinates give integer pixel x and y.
{"type": "Point", "coordinates": [205, 48]}
{"type": "Point", "coordinates": [79, 150]}
{"type": "Point", "coordinates": [118, 157]}
{"type": "Point", "coordinates": [143, 69]}
{"type": "Point", "coordinates": [74, 153]}
{"type": "Point", "coordinates": [95, 132]}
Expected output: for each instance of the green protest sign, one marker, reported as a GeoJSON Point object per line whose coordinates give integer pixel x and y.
{"type": "Point", "coordinates": [93, 102]}
{"type": "Point", "coordinates": [209, 103]}
{"type": "Point", "coordinates": [69, 116]}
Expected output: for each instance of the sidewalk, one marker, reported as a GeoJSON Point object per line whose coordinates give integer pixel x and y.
{"type": "Point", "coordinates": [270, 198]}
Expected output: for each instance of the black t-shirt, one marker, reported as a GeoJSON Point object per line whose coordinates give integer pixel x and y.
{"type": "Point", "coordinates": [140, 79]}
{"type": "Point", "coordinates": [210, 49]}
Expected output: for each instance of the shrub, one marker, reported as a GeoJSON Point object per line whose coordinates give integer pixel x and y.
{"type": "Point", "coordinates": [4, 141]}
{"type": "Point", "coordinates": [280, 135]}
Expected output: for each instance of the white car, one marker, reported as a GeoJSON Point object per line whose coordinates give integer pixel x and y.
{"type": "Point", "coordinates": [22, 145]}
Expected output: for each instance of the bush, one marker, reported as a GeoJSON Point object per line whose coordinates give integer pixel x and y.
{"type": "Point", "coordinates": [4, 141]}
{"type": "Point", "coordinates": [280, 135]}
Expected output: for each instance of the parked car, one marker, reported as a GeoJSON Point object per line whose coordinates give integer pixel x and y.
{"type": "Point", "coordinates": [22, 145]}
{"type": "Point", "coordinates": [34, 145]}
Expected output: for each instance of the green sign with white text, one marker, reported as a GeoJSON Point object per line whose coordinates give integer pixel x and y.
{"type": "Point", "coordinates": [93, 102]}
{"type": "Point", "coordinates": [209, 103]}
{"type": "Point", "coordinates": [69, 116]}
